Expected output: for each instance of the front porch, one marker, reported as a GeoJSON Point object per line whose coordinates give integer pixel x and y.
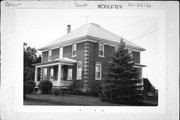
{"type": "Point", "coordinates": [59, 72]}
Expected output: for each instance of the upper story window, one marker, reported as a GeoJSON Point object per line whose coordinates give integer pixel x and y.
{"type": "Point", "coordinates": [61, 52]}
{"type": "Point", "coordinates": [130, 52]}
{"type": "Point", "coordinates": [98, 71]}
{"type": "Point", "coordinates": [101, 50]}
{"type": "Point", "coordinates": [49, 55]}
{"type": "Point", "coordinates": [74, 50]}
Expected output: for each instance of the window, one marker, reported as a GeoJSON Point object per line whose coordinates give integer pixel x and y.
{"type": "Point", "coordinates": [74, 50]}
{"type": "Point", "coordinates": [55, 72]}
{"type": "Point", "coordinates": [101, 50]}
{"type": "Point", "coordinates": [79, 70]}
{"type": "Point", "coordinates": [69, 73]}
{"type": "Point", "coordinates": [45, 74]}
{"type": "Point", "coordinates": [61, 52]}
{"type": "Point", "coordinates": [49, 55]}
{"type": "Point", "coordinates": [51, 74]}
{"type": "Point", "coordinates": [98, 71]}
{"type": "Point", "coordinates": [130, 52]}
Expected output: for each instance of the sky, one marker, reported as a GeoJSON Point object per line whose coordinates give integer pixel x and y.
{"type": "Point", "coordinates": [37, 27]}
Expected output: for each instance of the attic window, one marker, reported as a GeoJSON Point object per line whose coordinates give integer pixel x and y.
{"type": "Point", "coordinates": [74, 50]}
{"type": "Point", "coordinates": [101, 50]}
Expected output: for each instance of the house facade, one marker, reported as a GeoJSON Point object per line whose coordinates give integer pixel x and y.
{"type": "Point", "coordinates": [80, 57]}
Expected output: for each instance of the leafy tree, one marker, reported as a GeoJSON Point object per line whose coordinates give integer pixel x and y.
{"type": "Point", "coordinates": [121, 86]}
{"type": "Point", "coordinates": [30, 57]}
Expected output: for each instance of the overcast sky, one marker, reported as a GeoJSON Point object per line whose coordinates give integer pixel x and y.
{"type": "Point", "coordinates": [38, 27]}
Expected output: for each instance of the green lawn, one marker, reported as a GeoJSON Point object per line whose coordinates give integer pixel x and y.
{"type": "Point", "coordinates": [73, 100]}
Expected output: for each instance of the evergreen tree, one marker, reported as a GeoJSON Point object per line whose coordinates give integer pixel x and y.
{"type": "Point", "coordinates": [122, 83]}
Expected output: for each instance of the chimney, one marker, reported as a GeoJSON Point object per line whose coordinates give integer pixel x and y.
{"type": "Point", "coordinates": [68, 28]}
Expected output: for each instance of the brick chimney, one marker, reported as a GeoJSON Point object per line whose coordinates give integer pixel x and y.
{"type": "Point", "coordinates": [68, 28]}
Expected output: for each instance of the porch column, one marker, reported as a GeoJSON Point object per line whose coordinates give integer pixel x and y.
{"type": "Point", "coordinates": [59, 75]}
{"type": "Point", "coordinates": [36, 74]}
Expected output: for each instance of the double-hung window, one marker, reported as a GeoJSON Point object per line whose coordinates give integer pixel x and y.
{"type": "Point", "coordinates": [49, 55]}
{"type": "Point", "coordinates": [79, 70]}
{"type": "Point", "coordinates": [70, 69]}
{"type": "Point", "coordinates": [98, 71]}
{"type": "Point", "coordinates": [74, 50]}
{"type": "Point", "coordinates": [101, 50]}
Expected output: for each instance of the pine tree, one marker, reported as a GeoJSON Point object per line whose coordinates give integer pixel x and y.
{"type": "Point", "coordinates": [122, 83]}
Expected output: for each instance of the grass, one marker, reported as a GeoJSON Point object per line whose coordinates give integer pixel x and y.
{"type": "Point", "coordinates": [77, 100]}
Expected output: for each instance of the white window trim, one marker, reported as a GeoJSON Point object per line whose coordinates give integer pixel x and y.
{"type": "Point", "coordinates": [100, 71]}
{"type": "Point", "coordinates": [78, 78]}
{"type": "Point", "coordinates": [75, 50]}
{"type": "Point", "coordinates": [99, 50]}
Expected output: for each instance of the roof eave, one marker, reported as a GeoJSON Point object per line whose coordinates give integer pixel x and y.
{"type": "Point", "coordinates": [72, 41]}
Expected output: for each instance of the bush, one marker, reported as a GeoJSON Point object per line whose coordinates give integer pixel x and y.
{"type": "Point", "coordinates": [45, 86]}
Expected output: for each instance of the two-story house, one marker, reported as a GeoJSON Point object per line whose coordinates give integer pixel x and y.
{"type": "Point", "coordinates": [80, 57]}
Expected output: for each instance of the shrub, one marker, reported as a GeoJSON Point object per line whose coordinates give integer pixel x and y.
{"type": "Point", "coordinates": [45, 86]}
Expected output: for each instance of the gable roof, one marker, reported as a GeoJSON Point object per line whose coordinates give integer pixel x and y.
{"type": "Point", "coordinates": [87, 32]}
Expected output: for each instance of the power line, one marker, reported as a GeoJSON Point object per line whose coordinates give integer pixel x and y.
{"type": "Point", "coordinates": [145, 34]}
{"type": "Point", "coordinates": [146, 31]}
{"type": "Point", "coordinates": [149, 28]}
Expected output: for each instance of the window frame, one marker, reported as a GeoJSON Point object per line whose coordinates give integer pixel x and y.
{"type": "Point", "coordinates": [70, 68]}
{"type": "Point", "coordinates": [49, 55]}
{"type": "Point", "coordinates": [51, 71]}
{"type": "Point", "coordinates": [74, 46]}
{"type": "Point", "coordinates": [79, 63]}
{"type": "Point", "coordinates": [99, 64]}
{"type": "Point", "coordinates": [45, 73]}
{"type": "Point", "coordinates": [100, 44]}
{"type": "Point", "coordinates": [131, 53]}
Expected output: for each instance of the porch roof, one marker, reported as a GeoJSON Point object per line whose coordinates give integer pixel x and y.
{"type": "Point", "coordinates": [138, 65]}
{"type": "Point", "coordinates": [64, 60]}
